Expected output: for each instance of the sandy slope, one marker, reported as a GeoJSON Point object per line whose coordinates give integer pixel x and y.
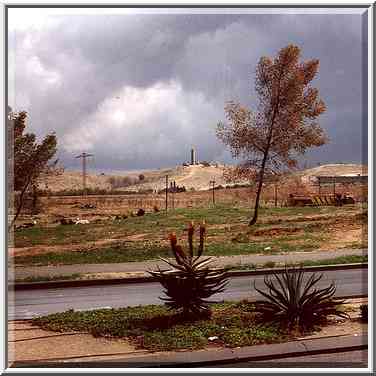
{"type": "Point", "coordinates": [197, 177]}
{"type": "Point", "coordinates": [336, 170]}
{"type": "Point", "coordinates": [73, 180]}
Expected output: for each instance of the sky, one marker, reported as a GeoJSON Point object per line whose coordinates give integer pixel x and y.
{"type": "Point", "coordinates": [139, 88]}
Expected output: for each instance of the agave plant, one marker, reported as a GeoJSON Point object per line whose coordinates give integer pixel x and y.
{"type": "Point", "coordinates": [190, 282]}
{"type": "Point", "coordinates": [296, 302]}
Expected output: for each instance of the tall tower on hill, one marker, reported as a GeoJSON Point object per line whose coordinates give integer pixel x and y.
{"type": "Point", "coordinates": [193, 156]}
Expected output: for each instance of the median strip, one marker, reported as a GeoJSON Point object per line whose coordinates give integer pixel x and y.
{"type": "Point", "coordinates": [142, 278]}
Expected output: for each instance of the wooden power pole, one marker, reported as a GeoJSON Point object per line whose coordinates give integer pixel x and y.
{"type": "Point", "coordinates": [275, 194]}
{"type": "Point", "coordinates": [166, 192]}
{"type": "Point", "coordinates": [84, 156]}
{"type": "Point", "coordinates": [213, 190]}
{"type": "Point", "coordinates": [173, 186]}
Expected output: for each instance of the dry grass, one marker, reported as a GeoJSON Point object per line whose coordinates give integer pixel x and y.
{"type": "Point", "coordinates": [145, 238]}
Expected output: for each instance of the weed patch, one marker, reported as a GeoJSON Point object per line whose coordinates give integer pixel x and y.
{"type": "Point", "coordinates": [48, 278]}
{"type": "Point", "coordinates": [350, 259]}
{"type": "Point", "coordinates": [155, 328]}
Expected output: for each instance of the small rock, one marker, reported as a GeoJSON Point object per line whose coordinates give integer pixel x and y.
{"type": "Point", "coordinates": [267, 248]}
{"type": "Point", "coordinates": [212, 338]}
{"type": "Point", "coordinates": [66, 221]}
{"type": "Point", "coordinates": [82, 221]}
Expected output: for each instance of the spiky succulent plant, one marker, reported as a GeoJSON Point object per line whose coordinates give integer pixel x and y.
{"type": "Point", "coordinates": [190, 282]}
{"type": "Point", "coordinates": [296, 302]}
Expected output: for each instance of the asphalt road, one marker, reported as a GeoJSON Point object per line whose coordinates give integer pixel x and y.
{"type": "Point", "coordinates": [348, 359]}
{"type": "Point", "coordinates": [31, 303]}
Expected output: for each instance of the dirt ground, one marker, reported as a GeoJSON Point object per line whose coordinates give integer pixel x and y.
{"type": "Point", "coordinates": [26, 342]}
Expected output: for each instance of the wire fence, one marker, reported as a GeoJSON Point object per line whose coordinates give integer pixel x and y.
{"type": "Point", "coordinates": [272, 196]}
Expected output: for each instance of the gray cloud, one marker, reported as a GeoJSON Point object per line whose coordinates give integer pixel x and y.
{"type": "Point", "coordinates": [139, 90]}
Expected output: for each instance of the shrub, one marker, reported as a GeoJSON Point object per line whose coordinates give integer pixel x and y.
{"type": "Point", "coordinates": [126, 181]}
{"type": "Point", "coordinates": [364, 312]}
{"type": "Point", "coordinates": [191, 282]}
{"type": "Point", "coordinates": [119, 182]}
{"type": "Point", "coordinates": [78, 192]}
{"type": "Point", "coordinates": [112, 181]}
{"type": "Point", "coordinates": [269, 264]}
{"type": "Point", "coordinates": [296, 304]}
{"type": "Point", "coordinates": [205, 164]}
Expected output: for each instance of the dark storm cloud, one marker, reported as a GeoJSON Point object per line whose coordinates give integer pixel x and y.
{"type": "Point", "coordinates": [139, 90]}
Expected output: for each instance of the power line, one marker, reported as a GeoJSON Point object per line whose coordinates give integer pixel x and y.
{"type": "Point", "coordinates": [84, 156]}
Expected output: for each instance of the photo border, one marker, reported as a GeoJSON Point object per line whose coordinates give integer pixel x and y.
{"type": "Point", "coordinates": [370, 15]}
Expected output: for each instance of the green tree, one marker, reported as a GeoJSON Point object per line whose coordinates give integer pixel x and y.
{"type": "Point", "coordinates": [29, 158]}
{"type": "Point", "coordinates": [272, 138]}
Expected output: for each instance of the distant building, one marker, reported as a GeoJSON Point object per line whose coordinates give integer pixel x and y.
{"type": "Point", "coordinates": [340, 179]}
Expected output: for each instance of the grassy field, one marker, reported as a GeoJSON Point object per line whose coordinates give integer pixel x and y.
{"type": "Point", "coordinates": [228, 233]}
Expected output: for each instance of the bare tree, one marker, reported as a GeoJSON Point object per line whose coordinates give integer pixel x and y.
{"type": "Point", "coordinates": [283, 127]}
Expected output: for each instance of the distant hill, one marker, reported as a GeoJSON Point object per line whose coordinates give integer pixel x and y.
{"type": "Point", "coordinates": [197, 177]}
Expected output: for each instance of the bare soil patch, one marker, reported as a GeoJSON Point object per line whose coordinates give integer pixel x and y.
{"type": "Point", "coordinates": [345, 237]}
{"type": "Point", "coordinates": [40, 249]}
{"type": "Point", "coordinates": [277, 231]}
{"type": "Point", "coordinates": [26, 342]}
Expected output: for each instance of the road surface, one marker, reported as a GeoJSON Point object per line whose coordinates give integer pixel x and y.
{"type": "Point", "coordinates": [348, 359]}
{"type": "Point", "coordinates": [25, 304]}
{"type": "Point", "coordinates": [22, 272]}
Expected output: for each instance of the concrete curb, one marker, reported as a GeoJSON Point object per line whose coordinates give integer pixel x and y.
{"type": "Point", "coordinates": [221, 357]}
{"type": "Point", "coordinates": [147, 279]}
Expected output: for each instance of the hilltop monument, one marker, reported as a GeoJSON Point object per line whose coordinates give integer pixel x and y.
{"type": "Point", "coordinates": [193, 156]}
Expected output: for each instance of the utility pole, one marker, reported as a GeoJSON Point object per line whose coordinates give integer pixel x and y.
{"type": "Point", "coordinates": [213, 183]}
{"type": "Point", "coordinates": [275, 194]}
{"type": "Point", "coordinates": [166, 192]}
{"type": "Point", "coordinates": [173, 194]}
{"type": "Point", "coordinates": [84, 156]}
